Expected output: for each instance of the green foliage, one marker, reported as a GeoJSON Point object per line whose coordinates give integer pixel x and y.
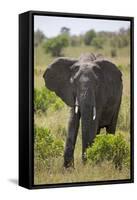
{"type": "Point", "coordinates": [123, 41]}
{"type": "Point", "coordinates": [109, 148]}
{"type": "Point", "coordinates": [89, 36]}
{"type": "Point", "coordinates": [45, 99]}
{"type": "Point", "coordinates": [38, 37]}
{"type": "Point", "coordinates": [120, 41]}
{"type": "Point", "coordinates": [56, 44]}
{"type": "Point", "coordinates": [120, 151]}
{"type": "Point", "coordinates": [46, 146]}
{"type": "Point", "coordinates": [98, 42]}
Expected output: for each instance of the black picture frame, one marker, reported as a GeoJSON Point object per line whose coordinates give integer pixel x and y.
{"type": "Point", "coordinates": [26, 95]}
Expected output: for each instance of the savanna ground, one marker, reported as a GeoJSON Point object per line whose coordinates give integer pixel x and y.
{"type": "Point", "coordinates": [56, 120]}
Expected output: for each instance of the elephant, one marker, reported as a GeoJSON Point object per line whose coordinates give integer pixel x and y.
{"type": "Point", "coordinates": [92, 86]}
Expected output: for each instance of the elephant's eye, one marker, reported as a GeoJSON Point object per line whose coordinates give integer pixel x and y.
{"type": "Point", "coordinates": [75, 68]}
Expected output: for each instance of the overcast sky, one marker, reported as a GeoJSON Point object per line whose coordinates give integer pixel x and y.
{"type": "Point", "coordinates": [51, 25]}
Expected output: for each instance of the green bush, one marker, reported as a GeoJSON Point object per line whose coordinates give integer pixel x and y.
{"type": "Point", "coordinates": [39, 101]}
{"type": "Point", "coordinates": [98, 42]}
{"type": "Point", "coordinates": [45, 99]}
{"type": "Point", "coordinates": [46, 146]}
{"type": "Point", "coordinates": [89, 36]}
{"type": "Point", "coordinates": [56, 44]}
{"type": "Point", "coordinates": [120, 41]}
{"type": "Point", "coordinates": [38, 37]}
{"type": "Point", "coordinates": [109, 148]}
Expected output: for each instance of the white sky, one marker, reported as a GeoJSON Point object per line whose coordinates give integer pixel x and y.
{"type": "Point", "coordinates": [51, 25]}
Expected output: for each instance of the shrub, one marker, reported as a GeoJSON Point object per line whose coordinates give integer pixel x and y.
{"type": "Point", "coordinates": [56, 44]}
{"type": "Point", "coordinates": [45, 99]}
{"type": "Point", "coordinates": [98, 42]}
{"type": "Point", "coordinates": [120, 151]}
{"type": "Point", "coordinates": [38, 37]}
{"type": "Point", "coordinates": [120, 41]}
{"type": "Point", "coordinates": [46, 146]}
{"type": "Point", "coordinates": [109, 148]}
{"type": "Point", "coordinates": [89, 35]}
{"type": "Point", "coordinates": [39, 101]}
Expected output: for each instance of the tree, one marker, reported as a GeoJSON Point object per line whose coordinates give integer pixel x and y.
{"type": "Point", "coordinates": [38, 37]}
{"type": "Point", "coordinates": [98, 42]}
{"type": "Point", "coordinates": [121, 39]}
{"type": "Point", "coordinates": [89, 36]}
{"type": "Point", "coordinates": [56, 44]}
{"type": "Point", "coordinates": [65, 30]}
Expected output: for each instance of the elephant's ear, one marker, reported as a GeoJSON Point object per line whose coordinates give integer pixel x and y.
{"type": "Point", "coordinates": [57, 78]}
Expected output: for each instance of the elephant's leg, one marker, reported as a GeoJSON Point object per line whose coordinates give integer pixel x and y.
{"type": "Point", "coordinates": [89, 130]}
{"type": "Point", "coordinates": [111, 128]}
{"type": "Point", "coordinates": [98, 131]}
{"type": "Point", "coordinates": [71, 138]}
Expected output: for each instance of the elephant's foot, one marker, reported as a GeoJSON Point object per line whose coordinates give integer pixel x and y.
{"type": "Point", "coordinates": [84, 158]}
{"type": "Point", "coordinates": [69, 163]}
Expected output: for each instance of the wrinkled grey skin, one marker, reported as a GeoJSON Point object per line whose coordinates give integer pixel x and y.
{"type": "Point", "coordinates": [90, 83]}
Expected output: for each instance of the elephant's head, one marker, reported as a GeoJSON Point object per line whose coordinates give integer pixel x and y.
{"type": "Point", "coordinates": [72, 80]}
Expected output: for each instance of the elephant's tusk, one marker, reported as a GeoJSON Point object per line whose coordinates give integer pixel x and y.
{"type": "Point", "coordinates": [94, 112]}
{"type": "Point", "coordinates": [76, 109]}
{"type": "Point", "coordinates": [76, 106]}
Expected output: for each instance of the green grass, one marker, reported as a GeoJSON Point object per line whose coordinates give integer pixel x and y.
{"type": "Point", "coordinates": [57, 122]}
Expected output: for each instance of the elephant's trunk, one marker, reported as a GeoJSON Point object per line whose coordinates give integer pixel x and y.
{"type": "Point", "coordinates": [77, 107]}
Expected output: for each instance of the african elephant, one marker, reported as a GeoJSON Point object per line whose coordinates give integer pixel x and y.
{"type": "Point", "coordinates": [92, 87]}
